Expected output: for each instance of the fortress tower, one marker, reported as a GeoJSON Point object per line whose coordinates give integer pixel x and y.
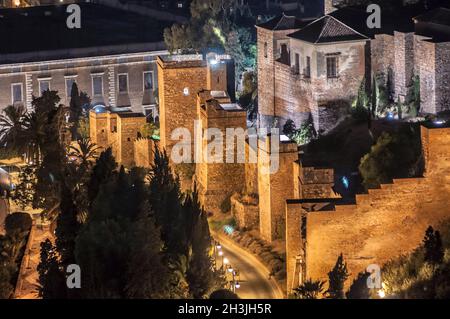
{"type": "Point", "coordinates": [117, 130]}
{"type": "Point", "coordinates": [180, 78]}
{"type": "Point", "coordinates": [219, 178]}
{"type": "Point", "coordinates": [275, 187]}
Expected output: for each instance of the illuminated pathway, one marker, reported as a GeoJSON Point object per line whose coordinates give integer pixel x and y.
{"type": "Point", "coordinates": [253, 278]}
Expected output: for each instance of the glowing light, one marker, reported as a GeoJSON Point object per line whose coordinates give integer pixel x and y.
{"type": "Point", "coordinates": [381, 293]}
{"type": "Point", "coordinates": [345, 181]}
{"type": "Point", "coordinates": [228, 229]}
{"type": "Point", "coordinates": [213, 62]}
{"type": "Point", "coordinates": [219, 246]}
{"type": "Point", "coordinates": [230, 269]}
{"type": "Point", "coordinates": [219, 34]}
{"type": "Point", "coordinates": [220, 253]}
{"type": "Point", "coordinates": [225, 261]}
{"type": "Point", "coordinates": [390, 115]}
{"type": "Point", "coordinates": [237, 285]}
{"type": "Point", "coordinates": [439, 122]}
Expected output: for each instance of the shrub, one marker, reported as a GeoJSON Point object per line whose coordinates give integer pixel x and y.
{"type": "Point", "coordinates": [396, 155]}
{"type": "Point", "coordinates": [225, 206]}
{"type": "Point", "coordinates": [18, 223]}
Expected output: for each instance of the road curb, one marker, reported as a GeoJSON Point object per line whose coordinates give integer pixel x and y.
{"type": "Point", "coordinates": [262, 269]}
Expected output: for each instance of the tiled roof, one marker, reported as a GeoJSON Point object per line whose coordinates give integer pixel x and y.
{"type": "Point", "coordinates": [327, 29]}
{"type": "Point", "coordinates": [283, 22]}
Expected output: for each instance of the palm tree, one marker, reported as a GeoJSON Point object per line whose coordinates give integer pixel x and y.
{"type": "Point", "coordinates": [85, 151]}
{"type": "Point", "coordinates": [12, 128]}
{"type": "Point", "coordinates": [309, 289]}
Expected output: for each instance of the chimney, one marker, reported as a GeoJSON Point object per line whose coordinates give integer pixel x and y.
{"type": "Point", "coordinates": [328, 6]}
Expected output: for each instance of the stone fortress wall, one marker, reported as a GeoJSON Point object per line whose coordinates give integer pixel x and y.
{"type": "Point", "coordinates": [296, 204]}
{"type": "Point", "coordinates": [383, 224]}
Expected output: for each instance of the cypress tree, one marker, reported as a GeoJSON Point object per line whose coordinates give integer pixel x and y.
{"type": "Point", "coordinates": [336, 279]}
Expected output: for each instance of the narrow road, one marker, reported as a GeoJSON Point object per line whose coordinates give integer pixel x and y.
{"type": "Point", "coordinates": [253, 276]}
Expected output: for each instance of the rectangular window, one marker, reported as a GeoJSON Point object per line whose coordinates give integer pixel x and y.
{"type": "Point", "coordinates": [332, 67]}
{"type": "Point", "coordinates": [308, 67]}
{"type": "Point", "coordinates": [265, 49]}
{"type": "Point", "coordinates": [16, 90]}
{"type": "Point", "coordinates": [44, 85]}
{"type": "Point", "coordinates": [123, 83]}
{"type": "Point", "coordinates": [148, 81]}
{"type": "Point", "coordinates": [69, 84]}
{"type": "Point", "coordinates": [97, 85]}
{"type": "Point", "coordinates": [297, 64]}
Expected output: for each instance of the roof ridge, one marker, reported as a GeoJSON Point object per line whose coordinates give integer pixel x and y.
{"type": "Point", "coordinates": [323, 29]}
{"type": "Point", "coordinates": [349, 27]}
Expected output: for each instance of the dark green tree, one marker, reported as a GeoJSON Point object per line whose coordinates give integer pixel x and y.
{"type": "Point", "coordinates": [13, 129]}
{"type": "Point", "coordinates": [336, 279]}
{"type": "Point", "coordinates": [103, 169]}
{"type": "Point", "coordinates": [52, 281]}
{"type": "Point", "coordinates": [432, 243]}
{"type": "Point", "coordinates": [49, 119]}
{"type": "Point", "coordinates": [67, 227]}
{"type": "Point", "coordinates": [289, 128]}
{"type": "Point", "coordinates": [77, 101]}
{"type": "Point", "coordinates": [23, 193]}
{"type": "Point", "coordinates": [201, 276]}
{"type": "Point", "coordinates": [148, 276]}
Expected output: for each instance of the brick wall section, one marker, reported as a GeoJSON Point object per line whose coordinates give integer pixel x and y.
{"type": "Point", "coordinates": [118, 131]}
{"type": "Point", "coordinates": [316, 183]}
{"type": "Point", "coordinates": [128, 129]}
{"type": "Point", "coordinates": [274, 189]}
{"type": "Point", "coordinates": [426, 70]}
{"type": "Point", "coordinates": [218, 181]}
{"type": "Point", "coordinates": [144, 152]}
{"type": "Point", "coordinates": [245, 211]}
{"type": "Point", "coordinates": [98, 131]}
{"type": "Point", "coordinates": [384, 223]}
{"type": "Point", "coordinates": [294, 246]}
{"type": "Point", "coordinates": [266, 72]}
{"type": "Point", "coordinates": [293, 96]}
{"type": "Point", "coordinates": [442, 76]}
{"type": "Point", "coordinates": [383, 59]}
{"type": "Point", "coordinates": [404, 64]}
{"type": "Point", "coordinates": [251, 171]}
{"type": "Point", "coordinates": [322, 99]}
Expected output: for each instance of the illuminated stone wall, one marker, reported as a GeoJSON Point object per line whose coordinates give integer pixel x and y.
{"type": "Point", "coordinates": [179, 83]}
{"type": "Point", "coordinates": [275, 188]}
{"type": "Point", "coordinates": [144, 152]}
{"type": "Point", "coordinates": [383, 224]}
{"type": "Point", "coordinates": [118, 131]}
{"type": "Point", "coordinates": [217, 181]}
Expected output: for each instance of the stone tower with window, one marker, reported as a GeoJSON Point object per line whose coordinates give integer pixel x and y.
{"type": "Point", "coordinates": [180, 78]}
